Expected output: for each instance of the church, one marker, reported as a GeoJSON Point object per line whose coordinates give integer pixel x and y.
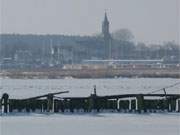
{"type": "Point", "coordinates": [57, 50]}
{"type": "Point", "coordinates": [89, 47]}
{"type": "Point", "coordinates": [107, 37]}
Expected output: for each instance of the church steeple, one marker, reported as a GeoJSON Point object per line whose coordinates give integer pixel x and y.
{"type": "Point", "coordinates": [105, 18]}
{"type": "Point", "coordinates": [107, 37]}
{"type": "Point", "coordinates": [105, 26]}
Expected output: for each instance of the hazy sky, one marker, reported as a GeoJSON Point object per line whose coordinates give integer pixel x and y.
{"type": "Point", "coordinates": [149, 20]}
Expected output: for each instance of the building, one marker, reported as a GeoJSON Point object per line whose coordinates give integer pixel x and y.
{"type": "Point", "coordinates": [58, 50]}
{"type": "Point", "coordinates": [107, 38]}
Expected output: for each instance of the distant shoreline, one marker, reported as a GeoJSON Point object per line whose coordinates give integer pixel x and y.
{"type": "Point", "coordinates": [91, 73]}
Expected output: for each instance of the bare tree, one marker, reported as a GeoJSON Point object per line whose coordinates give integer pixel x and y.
{"type": "Point", "coordinates": [123, 35]}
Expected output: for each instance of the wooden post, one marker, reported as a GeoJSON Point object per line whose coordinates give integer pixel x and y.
{"type": "Point", "coordinates": [28, 106]}
{"type": "Point", "coordinates": [130, 106]}
{"type": "Point", "coordinates": [169, 105]}
{"type": "Point", "coordinates": [118, 106]}
{"type": "Point", "coordinates": [5, 99]}
{"type": "Point", "coordinates": [49, 103]}
{"type": "Point", "coordinates": [92, 102]}
{"type": "Point", "coordinates": [140, 103]}
{"type": "Point", "coordinates": [177, 105]}
{"type": "Point", "coordinates": [136, 104]}
{"type": "Point", "coordinates": [0, 106]}
{"type": "Point", "coordinates": [94, 89]}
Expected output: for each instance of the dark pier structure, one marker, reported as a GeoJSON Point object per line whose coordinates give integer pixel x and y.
{"type": "Point", "coordinates": [131, 103]}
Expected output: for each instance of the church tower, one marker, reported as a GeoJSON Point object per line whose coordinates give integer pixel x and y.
{"type": "Point", "coordinates": [107, 37]}
{"type": "Point", "coordinates": [105, 26]}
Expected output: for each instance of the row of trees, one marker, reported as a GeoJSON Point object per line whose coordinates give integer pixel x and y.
{"type": "Point", "coordinates": [169, 51]}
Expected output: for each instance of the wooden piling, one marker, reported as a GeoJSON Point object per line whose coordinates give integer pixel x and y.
{"type": "Point", "coordinates": [5, 99]}
{"type": "Point", "coordinates": [177, 105]}
{"type": "Point", "coordinates": [140, 103]}
{"type": "Point", "coordinates": [49, 103]}
{"type": "Point", "coordinates": [93, 103]}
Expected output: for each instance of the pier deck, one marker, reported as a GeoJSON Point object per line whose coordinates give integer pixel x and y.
{"type": "Point", "coordinates": [93, 103]}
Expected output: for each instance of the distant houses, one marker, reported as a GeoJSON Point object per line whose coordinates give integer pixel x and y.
{"type": "Point", "coordinates": [44, 51]}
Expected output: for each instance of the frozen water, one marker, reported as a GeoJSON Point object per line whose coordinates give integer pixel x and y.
{"type": "Point", "coordinates": [21, 88]}
{"type": "Point", "coordinates": [99, 124]}
{"type": "Point", "coordinates": [88, 124]}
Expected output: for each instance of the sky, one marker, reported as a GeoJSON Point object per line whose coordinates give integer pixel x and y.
{"type": "Point", "coordinates": [151, 21]}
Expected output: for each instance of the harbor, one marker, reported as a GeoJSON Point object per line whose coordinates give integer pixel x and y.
{"type": "Point", "coordinates": [113, 107]}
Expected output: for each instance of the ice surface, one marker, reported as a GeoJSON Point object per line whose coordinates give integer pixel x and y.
{"type": "Point", "coordinates": [22, 88]}
{"type": "Point", "coordinates": [89, 124]}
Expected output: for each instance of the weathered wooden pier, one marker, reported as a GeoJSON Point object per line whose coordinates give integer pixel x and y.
{"type": "Point", "coordinates": [137, 103]}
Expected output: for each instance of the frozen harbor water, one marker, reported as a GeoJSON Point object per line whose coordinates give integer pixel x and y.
{"type": "Point", "coordinates": [88, 124]}
{"type": "Point", "coordinates": [22, 88]}
{"type": "Point", "coordinates": [101, 124]}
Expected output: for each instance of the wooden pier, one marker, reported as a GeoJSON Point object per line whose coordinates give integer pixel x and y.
{"type": "Point", "coordinates": [137, 103]}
